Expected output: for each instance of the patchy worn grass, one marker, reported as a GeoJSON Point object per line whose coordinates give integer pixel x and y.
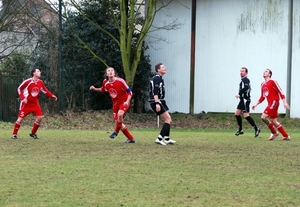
{"type": "Point", "coordinates": [204, 168]}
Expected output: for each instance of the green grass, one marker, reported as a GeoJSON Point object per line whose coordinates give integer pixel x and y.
{"type": "Point", "coordinates": [204, 168]}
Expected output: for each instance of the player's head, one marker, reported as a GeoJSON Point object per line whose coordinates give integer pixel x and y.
{"type": "Point", "coordinates": [35, 73]}
{"type": "Point", "coordinates": [243, 71]}
{"type": "Point", "coordinates": [110, 72]}
{"type": "Point", "coordinates": [160, 68]}
{"type": "Point", "coordinates": [157, 66]}
{"type": "Point", "coordinates": [267, 73]}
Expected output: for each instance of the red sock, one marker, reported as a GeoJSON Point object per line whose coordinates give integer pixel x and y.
{"type": "Point", "coordinates": [35, 127]}
{"type": "Point", "coordinates": [118, 126]}
{"type": "Point", "coordinates": [127, 133]}
{"type": "Point", "coordinates": [16, 127]}
{"type": "Point", "coordinates": [282, 130]}
{"type": "Point", "coordinates": [272, 128]}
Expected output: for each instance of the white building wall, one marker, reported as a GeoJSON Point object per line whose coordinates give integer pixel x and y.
{"type": "Point", "coordinates": [295, 83]}
{"type": "Point", "coordinates": [172, 48]}
{"type": "Point", "coordinates": [230, 34]}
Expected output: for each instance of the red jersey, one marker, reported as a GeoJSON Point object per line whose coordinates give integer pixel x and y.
{"type": "Point", "coordinates": [118, 89]}
{"type": "Point", "coordinates": [271, 90]}
{"type": "Point", "coordinates": [31, 89]}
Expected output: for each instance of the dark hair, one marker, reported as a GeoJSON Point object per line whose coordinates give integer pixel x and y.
{"type": "Point", "coordinates": [32, 71]}
{"type": "Point", "coordinates": [157, 66]}
{"type": "Point", "coordinates": [270, 72]}
{"type": "Point", "coordinates": [246, 69]}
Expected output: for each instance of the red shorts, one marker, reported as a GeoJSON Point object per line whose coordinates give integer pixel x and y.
{"type": "Point", "coordinates": [272, 109]}
{"type": "Point", "coordinates": [117, 106]}
{"type": "Point", "coordinates": [28, 108]}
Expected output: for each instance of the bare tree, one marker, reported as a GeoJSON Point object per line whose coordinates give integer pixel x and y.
{"type": "Point", "coordinates": [131, 46]}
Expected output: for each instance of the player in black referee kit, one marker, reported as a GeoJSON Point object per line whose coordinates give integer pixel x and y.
{"type": "Point", "coordinates": [244, 104]}
{"type": "Point", "coordinates": [158, 104]}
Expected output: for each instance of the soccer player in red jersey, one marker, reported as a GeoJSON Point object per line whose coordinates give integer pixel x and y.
{"type": "Point", "coordinates": [120, 95]}
{"type": "Point", "coordinates": [271, 90]}
{"type": "Point", "coordinates": [29, 92]}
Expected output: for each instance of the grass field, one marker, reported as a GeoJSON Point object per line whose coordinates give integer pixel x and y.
{"type": "Point", "coordinates": [204, 168]}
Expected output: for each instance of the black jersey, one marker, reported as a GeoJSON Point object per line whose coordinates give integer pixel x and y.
{"type": "Point", "coordinates": [156, 87]}
{"type": "Point", "coordinates": [245, 88]}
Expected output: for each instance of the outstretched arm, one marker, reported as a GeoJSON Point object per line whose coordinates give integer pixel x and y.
{"type": "Point", "coordinates": [54, 97]}
{"type": "Point", "coordinates": [93, 88]}
{"type": "Point", "coordinates": [255, 105]}
{"type": "Point", "coordinates": [261, 99]}
{"type": "Point", "coordinates": [286, 105]}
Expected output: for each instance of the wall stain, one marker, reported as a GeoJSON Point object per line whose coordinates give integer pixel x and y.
{"type": "Point", "coordinates": [261, 15]}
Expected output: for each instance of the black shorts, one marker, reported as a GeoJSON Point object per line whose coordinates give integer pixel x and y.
{"type": "Point", "coordinates": [244, 105]}
{"type": "Point", "coordinates": [163, 107]}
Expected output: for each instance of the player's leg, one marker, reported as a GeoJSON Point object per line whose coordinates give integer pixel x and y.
{"type": "Point", "coordinates": [265, 119]}
{"type": "Point", "coordinates": [238, 117]}
{"type": "Point", "coordinates": [23, 112]}
{"type": "Point", "coordinates": [16, 128]}
{"type": "Point", "coordinates": [273, 114]}
{"type": "Point", "coordinates": [161, 134]}
{"type": "Point", "coordinates": [166, 127]}
{"type": "Point", "coordinates": [130, 138]}
{"type": "Point", "coordinates": [247, 116]}
{"type": "Point", "coordinates": [121, 114]}
{"type": "Point", "coordinates": [37, 112]}
{"type": "Point", "coordinates": [165, 131]}
{"type": "Point", "coordinates": [118, 120]}
{"type": "Point", "coordinates": [35, 127]}
{"type": "Point", "coordinates": [281, 129]}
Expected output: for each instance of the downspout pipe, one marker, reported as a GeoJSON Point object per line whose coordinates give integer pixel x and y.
{"type": "Point", "coordinates": [289, 55]}
{"type": "Point", "coordinates": [192, 58]}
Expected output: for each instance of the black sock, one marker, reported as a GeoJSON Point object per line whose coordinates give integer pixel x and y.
{"type": "Point", "coordinates": [251, 121]}
{"type": "Point", "coordinates": [165, 131]}
{"type": "Point", "coordinates": [239, 122]}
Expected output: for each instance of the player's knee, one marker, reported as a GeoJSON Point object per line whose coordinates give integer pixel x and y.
{"type": "Point", "coordinates": [121, 113]}
{"type": "Point", "coordinates": [168, 120]}
{"type": "Point", "coordinates": [246, 116]}
{"type": "Point", "coordinates": [39, 118]}
{"type": "Point", "coordinates": [20, 120]}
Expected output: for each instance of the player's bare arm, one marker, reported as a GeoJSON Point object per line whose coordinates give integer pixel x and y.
{"type": "Point", "coordinates": [54, 97]}
{"type": "Point", "coordinates": [286, 105]}
{"type": "Point", "coordinates": [255, 105]}
{"type": "Point", "coordinates": [93, 88]}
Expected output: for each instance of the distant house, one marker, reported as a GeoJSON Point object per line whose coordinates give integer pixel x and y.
{"type": "Point", "coordinates": [22, 22]}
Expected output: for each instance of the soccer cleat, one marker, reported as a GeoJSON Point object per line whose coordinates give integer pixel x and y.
{"type": "Point", "coordinates": [288, 138]}
{"type": "Point", "coordinates": [129, 141]}
{"type": "Point", "coordinates": [273, 136]}
{"type": "Point", "coordinates": [170, 141]}
{"type": "Point", "coordinates": [257, 132]}
{"type": "Point", "coordinates": [239, 132]}
{"type": "Point", "coordinates": [34, 136]}
{"type": "Point", "coordinates": [157, 141]}
{"type": "Point", "coordinates": [14, 136]}
{"type": "Point", "coordinates": [113, 135]}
